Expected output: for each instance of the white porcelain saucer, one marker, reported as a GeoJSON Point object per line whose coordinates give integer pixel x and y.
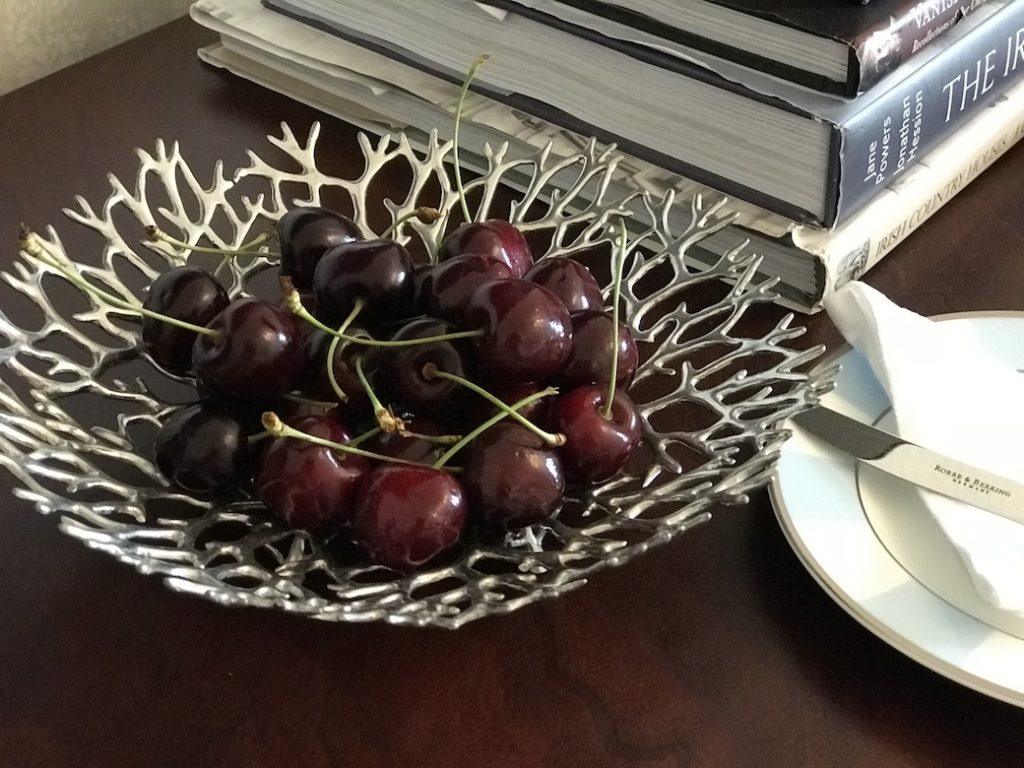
{"type": "Point", "coordinates": [818, 496]}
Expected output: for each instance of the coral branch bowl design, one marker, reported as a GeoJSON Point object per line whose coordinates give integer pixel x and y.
{"type": "Point", "coordinates": [80, 401]}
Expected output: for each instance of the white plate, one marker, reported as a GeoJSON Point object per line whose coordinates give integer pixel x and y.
{"type": "Point", "coordinates": [817, 497]}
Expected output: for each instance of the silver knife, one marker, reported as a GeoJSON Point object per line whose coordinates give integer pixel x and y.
{"type": "Point", "coordinates": [917, 465]}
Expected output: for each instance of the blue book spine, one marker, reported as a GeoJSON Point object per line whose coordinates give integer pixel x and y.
{"type": "Point", "coordinates": [876, 145]}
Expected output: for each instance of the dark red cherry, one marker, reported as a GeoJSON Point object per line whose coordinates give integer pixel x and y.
{"type": "Point", "coordinates": [478, 410]}
{"type": "Point", "coordinates": [316, 382]}
{"type": "Point", "coordinates": [256, 356]}
{"type": "Point", "coordinates": [511, 478]}
{"type": "Point", "coordinates": [311, 486]}
{"type": "Point", "coordinates": [495, 238]}
{"type": "Point", "coordinates": [408, 447]}
{"type": "Point", "coordinates": [420, 282]}
{"type": "Point", "coordinates": [184, 293]}
{"type": "Point", "coordinates": [595, 447]}
{"type": "Point", "coordinates": [204, 448]}
{"type": "Point", "coordinates": [403, 366]}
{"type": "Point", "coordinates": [288, 411]}
{"type": "Point", "coordinates": [357, 410]}
{"type": "Point", "coordinates": [527, 331]}
{"type": "Point", "coordinates": [378, 271]}
{"type": "Point", "coordinates": [407, 515]}
{"type": "Point", "coordinates": [450, 284]}
{"type": "Point", "coordinates": [568, 280]}
{"type": "Point", "coordinates": [590, 361]}
{"type": "Point", "coordinates": [305, 235]}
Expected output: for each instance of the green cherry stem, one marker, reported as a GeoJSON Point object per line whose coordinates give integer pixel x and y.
{"type": "Point", "coordinates": [385, 417]}
{"type": "Point", "coordinates": [616, 291]}
{"type": "Point", "coordinates": [294, 304]}
{"type": "Point", "coordinates": [355, 441]}
{"type": "Point", "coordinates": [360, 439]}
{"type": "Point", "coordinates": [155, 234]}
{"type": "Point", "coordinates": [438, 439]}
{"type": "Point", "coordinates": [423, 214]}
{"type": "Point", "coordinates": [477, 63]}
{"type": "Point", "coordinates": [447, 455]}
{"type": "Point", "coordinates": [293, 398]}
{"type": "Point", "coordinates": [33, 247]}
{"type": "Point", "coordinates": [333, 349]}
{"type": "Point", "coordinates": [278, 428]}
{"type": "Point", "coordinates": [430, 371]}
{"type": "Point", "coordinates": [261, 238]}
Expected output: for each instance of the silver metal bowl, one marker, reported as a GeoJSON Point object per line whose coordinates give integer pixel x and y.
{"type": "Point", "coordinates": [712, 422]}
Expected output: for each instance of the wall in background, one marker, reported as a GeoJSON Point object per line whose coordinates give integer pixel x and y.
{"type": "Point", "coordinates": [41, 36]}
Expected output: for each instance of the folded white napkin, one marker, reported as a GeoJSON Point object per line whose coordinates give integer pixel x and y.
{"type": "Point", "coordinates": [952, 396]}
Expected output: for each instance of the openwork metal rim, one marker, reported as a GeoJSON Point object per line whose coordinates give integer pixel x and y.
{"type": "Point", "coordinates": [233, 551]}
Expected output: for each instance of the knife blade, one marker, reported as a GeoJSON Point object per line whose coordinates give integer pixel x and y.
{"type": "Point", "coordinates": [920, 466]}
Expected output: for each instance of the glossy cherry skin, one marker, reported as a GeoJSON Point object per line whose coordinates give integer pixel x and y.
{"type": "Point", "coordinates": [184, 293]}
{"type": "Point", "coordinates": [408, 447]}
{"type": "Point", "coordinates": [451, 283]}
{"type": "Point", "coordinates": [595, 447]}
{"type": "Point", "coordinates": [258, 354]}
{"type": "Point", "coordinates": [204, 448]}
{"type": "Point", "coordinates": [568, 280]}
{"type": "Point", "coordinates": [378, 271]}
{"type": "Point", "coordinates": [511, 478]}
{"type": "Point", "coordinates": [527, 331]}
{"type": "Point", "coordinates": [402, 367]}
{"type": "Point", "coordinates": [420, 285]}
{"type": "Point", "coordinates": [590, 361]}
{"type": "Point", "coordinates": [409, 514]}
{"type": "Point", "coordinates": [495, 238]}
{"type": "Point", "coordinates": [305, 235]}
{"type": "Point", "coordinates": [315, 382]}
{"type": "Point", "coordinates": [310, 486]}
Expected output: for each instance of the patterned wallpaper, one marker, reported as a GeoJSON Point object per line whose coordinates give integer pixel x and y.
{"type": "Point", "coordinates": [42, 36]}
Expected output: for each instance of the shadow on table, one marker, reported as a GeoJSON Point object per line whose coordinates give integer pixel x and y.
{"type": "Point", "coordinates": [886, 691]}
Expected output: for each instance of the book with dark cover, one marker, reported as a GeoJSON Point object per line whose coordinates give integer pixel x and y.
{"type": "Point", "coordinates": [869, 141]}
{"type": "Point", "coordinates": [878, 36]}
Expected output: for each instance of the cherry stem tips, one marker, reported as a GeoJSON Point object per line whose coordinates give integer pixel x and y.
{"type": "Point", "coordinates": [501, 416]}
{"type": "Point", "coordinates": [424, 214]}
{"type": "Point", "coordinates": [430, 371]}
{"type": "Point", "coordinates": [333, 349]}
{"type": "Point", "coordinates": [156, 235]}
{"type": "Point", "coordinates": [278, 428]}
{"type": "Point", "coordinates": [293, 301]}
{"type": "Point", "coordinates": [477, 63]}
{"type": "Point", "coordinates": [385, 416]}
{"type": "Point", "coordinates": [616, 291]}
{"type": "Point", "coordinates": [34, 247]}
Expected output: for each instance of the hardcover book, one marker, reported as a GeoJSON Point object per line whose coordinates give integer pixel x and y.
{"type": "Point", "coordinates": [801, 154]}
{"type": "Point", "coordinates": [842, 47]}
{"type": "Point", "coordinates": [382, 96]}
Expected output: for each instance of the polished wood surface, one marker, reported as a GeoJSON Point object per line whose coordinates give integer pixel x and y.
{"type": "Point", "coordinates": [717, 650]}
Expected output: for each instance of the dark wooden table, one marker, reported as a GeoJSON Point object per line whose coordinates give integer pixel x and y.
{"type": "Point", "coordinates": [718, 650]}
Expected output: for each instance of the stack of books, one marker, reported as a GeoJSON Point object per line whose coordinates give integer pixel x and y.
{"type": "Point", "coordinates": [835, 132]}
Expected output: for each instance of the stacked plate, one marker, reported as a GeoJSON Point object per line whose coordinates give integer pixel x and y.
{"type": "Point", "coordinates": [826, 505]}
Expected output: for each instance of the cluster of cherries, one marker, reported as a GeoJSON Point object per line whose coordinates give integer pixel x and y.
{"type": "Point", "coordinates": [373, 372]}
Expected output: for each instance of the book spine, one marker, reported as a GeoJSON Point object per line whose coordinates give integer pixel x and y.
{"type": "Point", "coordinates": [851, 256]}
{"type": "Point", "coordinates": [889, 136]}
{"type": "Point", "coordinates": [879, 51]}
